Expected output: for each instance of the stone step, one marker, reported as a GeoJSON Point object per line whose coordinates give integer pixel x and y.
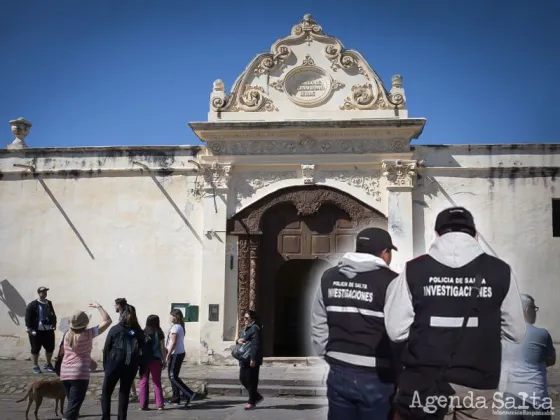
{"type": "Point", "coordinates": [268, 390]}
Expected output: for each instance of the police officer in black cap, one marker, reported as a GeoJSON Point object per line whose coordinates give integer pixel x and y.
{"type": "Point", "coordinates": [349, 332]}
{"type": "Point", "coordinates": [427, 305]}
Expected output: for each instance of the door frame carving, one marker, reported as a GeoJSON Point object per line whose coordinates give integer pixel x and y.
{"type": "Point", "coordinates": [246, 224]}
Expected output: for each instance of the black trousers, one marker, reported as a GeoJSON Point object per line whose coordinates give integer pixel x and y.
{"type": "Point", "coordinates": [177, 385]}
{"type": "Point", "coordinates": [249, 378]}
{"type": "Point", "coordinates": [75, 395]}
{"type": "Point", "coordinates": [124, 374]}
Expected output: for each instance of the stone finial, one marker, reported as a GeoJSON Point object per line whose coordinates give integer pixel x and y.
{"type": "Point", "coordinates": [396, 95]}
{"type": "Point", "coordinates": [219, 86]}
{"type": "Point", "coordinates": [218, 97]}
{"type": "Point", "coordinates": [20, 129]}
{"type": "Point", "coordinates": [397, 81]}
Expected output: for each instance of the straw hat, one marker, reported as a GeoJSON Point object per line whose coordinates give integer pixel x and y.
{"type": "Point", "coordinates": [79, 320]}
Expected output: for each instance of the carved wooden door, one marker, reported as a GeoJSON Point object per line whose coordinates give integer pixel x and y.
{"type": "Point", "coordinates": [327, 233]}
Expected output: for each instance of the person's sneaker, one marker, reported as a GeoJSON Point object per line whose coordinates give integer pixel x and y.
{"type": "Point", "coordinates": [160, 409]}
{"type": "Point", "coordinates": [173, 402]}
{"type": "Point", "coordinates": [37, 369]}
{"type": "Point", "coordinates": [249, 407]}
{"type": "Point", "coordinates": [49, 367]}
{"type": "Point", "coordinates": [133, 398]}
{"type": "Point", "coordinates": [143, 409]}
{"type": "Point", "coordinates": [259, 400]}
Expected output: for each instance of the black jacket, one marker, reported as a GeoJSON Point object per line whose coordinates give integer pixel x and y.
{"type": "Point", "coordinates": [32, 315]}
{"type": "Point", "coordinates": [347, 316]}
{"type": "Point", "coordinates": [253, 335]}
{"type": "Point", "coordinates": [117, 354]}
{"type": "Point", "coordinates": [427, 303]}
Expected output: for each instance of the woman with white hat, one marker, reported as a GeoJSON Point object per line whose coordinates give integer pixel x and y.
{"type": "Point", "coordinates": [76, 362]}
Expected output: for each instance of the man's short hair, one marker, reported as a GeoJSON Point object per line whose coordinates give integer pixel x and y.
{"type": "Point", "coordinates": [527, 301]}
{"type": "Point", "coordinates": [121, 302]}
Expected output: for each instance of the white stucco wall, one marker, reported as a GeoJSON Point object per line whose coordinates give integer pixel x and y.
{"type": "Point", "coordinates": [138, 245]}
{"type": "Point", "coordinates": [152, 239]}
{"type": "Point", "coordinates": [509, 190]}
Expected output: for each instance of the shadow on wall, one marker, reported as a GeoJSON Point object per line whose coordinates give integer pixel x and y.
{"type": "Point", "coordinates": [431, 187]}
{"type": "Point", "coordinates": [13, 300]}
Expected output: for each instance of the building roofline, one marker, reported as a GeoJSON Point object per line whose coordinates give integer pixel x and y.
{"type": "Point", "coordinates": [103, 149]}
{"type": "Point", "coordinates": [504, 146]}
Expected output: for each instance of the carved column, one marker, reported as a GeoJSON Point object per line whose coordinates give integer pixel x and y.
{"type": "Point", "coordinates": [400, 182]}
{"type": "Point", "coordinates": [243, 269]}
{"type": "Point", "coordinates": [254, 244]}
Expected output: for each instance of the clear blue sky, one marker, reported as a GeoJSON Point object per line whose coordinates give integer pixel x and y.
{"type": "Point", "coordinates": [134, 72]}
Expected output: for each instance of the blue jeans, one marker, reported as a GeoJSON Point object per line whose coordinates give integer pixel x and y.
{"type": "Point", "coordinates": [356, 394]}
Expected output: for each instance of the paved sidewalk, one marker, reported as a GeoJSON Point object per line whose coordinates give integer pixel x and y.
{"type": "Point", "coordinates": [227, 408]}
{"type": "Point", "coordinates": [15, 375]}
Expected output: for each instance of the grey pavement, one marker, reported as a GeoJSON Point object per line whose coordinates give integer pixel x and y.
{"type": "Point", "coordinates": [223, 408]}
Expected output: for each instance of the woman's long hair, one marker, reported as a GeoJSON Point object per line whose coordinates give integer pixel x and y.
{"type": "Point", "coordinates": [153, 327]}
{"type": "Point", "coordinates": [178, 316]}
{"type": "Point", "coordinates": [129, 318]}
{"type": "Point", "coordinates": [73, 336]}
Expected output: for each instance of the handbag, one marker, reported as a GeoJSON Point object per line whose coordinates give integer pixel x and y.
{"type": "Point", "coordinates": [59, 357]}
{"type": "Point", "coordinates": [242, 352]}
{"type": "Point", "coordinates": [416, 385]}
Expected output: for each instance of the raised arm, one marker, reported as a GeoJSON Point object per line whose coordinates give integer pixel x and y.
{"type": "Point", "coordinates": [106, 320]}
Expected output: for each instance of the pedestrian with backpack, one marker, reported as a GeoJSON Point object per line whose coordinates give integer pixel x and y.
{"type": "Point", "coordinates": [154, 355]}
{"type": "Point", "coordinates": [121, 360]}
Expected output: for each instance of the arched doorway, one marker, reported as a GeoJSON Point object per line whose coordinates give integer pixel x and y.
{"type": "Point", "coordinates": [295, 285]}
{"type": "Point", "coordinates": [313, 224]}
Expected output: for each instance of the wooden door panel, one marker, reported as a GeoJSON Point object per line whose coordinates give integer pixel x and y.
{"type": "Point", "coordinates": [290, 244]}
{"type": "Point", "coordinates": [320, 244]}
{"type": "Point", "coordinates": [344, 243]}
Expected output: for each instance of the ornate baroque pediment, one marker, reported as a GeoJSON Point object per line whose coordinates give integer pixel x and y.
{"type": "Point", "coordinates": [307, 70]}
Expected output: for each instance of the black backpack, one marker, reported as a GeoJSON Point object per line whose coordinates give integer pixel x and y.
{"type": "Point", "coordinates": [126, 348]}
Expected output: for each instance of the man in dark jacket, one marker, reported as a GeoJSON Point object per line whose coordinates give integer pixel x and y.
{"type": "Point", "coordinates": [40, 321]}
{"type": "Point", "coordinates": [426, 306]}
{"type": "Point", "coordinates": [348, 329]}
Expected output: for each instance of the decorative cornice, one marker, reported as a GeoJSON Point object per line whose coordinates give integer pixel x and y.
{"type": "Point", "coordinates": [308, 145]}
{"type": "Point", "coordinates": [400, 173]}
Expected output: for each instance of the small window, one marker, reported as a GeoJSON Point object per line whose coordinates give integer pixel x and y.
{"type": "Point", "coordinates": [556, 217]}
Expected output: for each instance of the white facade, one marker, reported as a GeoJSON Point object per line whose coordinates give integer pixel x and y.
{"type": "Point", "coordinates": [151, 223]}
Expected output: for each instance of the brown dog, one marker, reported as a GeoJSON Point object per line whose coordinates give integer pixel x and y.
{"type": "Point", "coordinates": [45, 389]}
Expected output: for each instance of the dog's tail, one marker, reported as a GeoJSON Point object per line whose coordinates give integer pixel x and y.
{"type": "Point", "coordinates": [29, 392]}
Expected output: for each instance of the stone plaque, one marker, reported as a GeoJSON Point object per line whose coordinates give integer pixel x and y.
{"type": "Point", "coordinates": [307, 86]}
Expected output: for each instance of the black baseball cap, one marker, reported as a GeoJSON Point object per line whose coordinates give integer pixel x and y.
{"type": "Point", "coordinates": [455, 219]}
{"type": "Point", "coordinates": [373, 241]}
{"type": "Point", "coordinates": [42, 289]}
